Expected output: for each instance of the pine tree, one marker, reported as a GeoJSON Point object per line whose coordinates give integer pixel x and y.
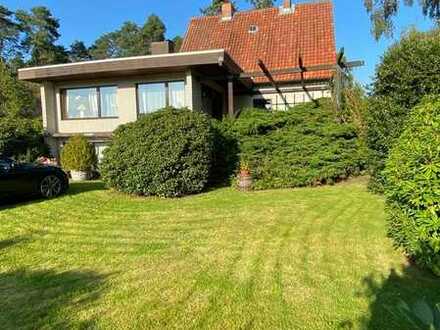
{"type": "Point", "coordinates": [129, 40]}
{"type": "Point", "coordinates": [260, 4]}
{"type": "Point", "coordinates": [9, 32]}
{"type": "Point", "coordinates": [154, 29]}
{"type": "Point", "coordinates": [178, 41]}
{"type": "Point", "coordinates": [214, 8]}
{"type": "Point", "coordinates": [78, 52]}
{"type": "Point", "coordinates": [105, 47]}
{"type": "Point", "coordinates": [40, 31]}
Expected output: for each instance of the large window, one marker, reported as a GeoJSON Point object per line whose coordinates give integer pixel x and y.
{"type": "Point", "coordinates": [155, 96]}
{"type": "Point", "coordinates": [93, 102]}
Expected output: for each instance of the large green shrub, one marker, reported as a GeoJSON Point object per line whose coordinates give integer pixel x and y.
{"type": "Point", "coordinates": [21, 138]}
{"type": "Point", "coordinates": [413, 186]}
{"type": "Point", "coordinates": [303, 146]}
{"type": "Point", "coordinates": [78, 155]}
{"type": "Point", "coordinates": [385, 120]}
{"type": "Point", "coordinates": [408, 71]}
{"type": "Point", "coordinates": [168, 153]}
{"type": "Point", "coordinates": [226, 154]}
{"type": "Point", "coordinates": [20, 128]}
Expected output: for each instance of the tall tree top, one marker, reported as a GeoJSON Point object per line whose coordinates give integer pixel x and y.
{"type": "Point", "coordinates": [9, 32]}
{"type": "Point", "coordinates": [39, 24]}
{"type": "Point", "coordinates": [40, 31]}
{"type": "Point", "coordinates": [260, 4]}
{"type": "Point", "coordinates": [214, 8]}
{"type": "Point", "coordinates": [382, 13]}
{"type": "Point", "coordinates": [78, 52]}
{"type": "Point", "coordinates": [154, 29]}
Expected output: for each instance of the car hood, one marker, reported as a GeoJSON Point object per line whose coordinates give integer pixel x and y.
{"type": "Point", "coordinates": [39, 167]}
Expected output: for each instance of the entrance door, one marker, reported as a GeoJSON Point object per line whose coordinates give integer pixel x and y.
{"type": "Point", "coordinates": [212, 102]}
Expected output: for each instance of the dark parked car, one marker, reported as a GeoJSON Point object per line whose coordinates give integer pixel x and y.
{"type": "Point", "coordinates": [29, 179]}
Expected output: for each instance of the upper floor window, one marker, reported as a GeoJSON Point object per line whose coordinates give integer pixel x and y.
{"type": "Point", "coordinates": [156, 96]}
{"type": "Point", "coordinates": [93, 102]}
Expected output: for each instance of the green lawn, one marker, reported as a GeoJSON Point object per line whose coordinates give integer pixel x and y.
{"type": "Point", "coordinates": [305, 259]}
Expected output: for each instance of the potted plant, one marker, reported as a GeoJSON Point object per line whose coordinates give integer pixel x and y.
{"type": "Point", "coordinates": [78, 157]}
{"type": "Point", "coordinates": [244, 177]}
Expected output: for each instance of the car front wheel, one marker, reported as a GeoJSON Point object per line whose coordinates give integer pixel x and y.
{"type": "Point", "coordinates": [51, 186]}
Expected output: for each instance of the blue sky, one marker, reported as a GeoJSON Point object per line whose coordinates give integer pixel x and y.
{"type": "Point", "coordinates": [87, 20]}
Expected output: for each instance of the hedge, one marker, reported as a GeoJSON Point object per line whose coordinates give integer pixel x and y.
{"type": "Point", "coordinates": [412, 186]}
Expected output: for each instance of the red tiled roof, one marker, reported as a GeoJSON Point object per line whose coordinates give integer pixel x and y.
{"type": "Point", "coordinates": [279, 42]}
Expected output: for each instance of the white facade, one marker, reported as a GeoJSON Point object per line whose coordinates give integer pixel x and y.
{"type": "Point", "coordinates": [290, 96]}
{"type": "Point", "coordinates": [58, 128]}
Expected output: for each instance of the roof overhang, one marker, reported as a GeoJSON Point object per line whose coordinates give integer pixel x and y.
{"type": "Point", "coordinates": [215, 61]}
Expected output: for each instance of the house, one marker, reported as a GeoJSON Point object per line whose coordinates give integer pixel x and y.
{"type": "Point", "coordinates": [271, 58]}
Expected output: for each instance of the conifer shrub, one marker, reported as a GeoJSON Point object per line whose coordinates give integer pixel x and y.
{"type": "Point", "coordinates": [78, 155]}
{"type": "Point", "coordinates": [304, 146]}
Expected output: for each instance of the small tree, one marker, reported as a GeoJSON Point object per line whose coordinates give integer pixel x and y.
{"type": "Point", "coordinates": [78, 155]}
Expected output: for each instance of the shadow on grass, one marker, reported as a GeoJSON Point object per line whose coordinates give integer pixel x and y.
{"type": "Point", "coordinates": [4, 244]}
{"type": "Point", "coordinates": [77, 188]}
{"type": "Point", "coordinates": [74, 189]}
{"type": "Point", "coordinates": [37, 299]}
{"type": "Point", "coordinates": [386, 295]}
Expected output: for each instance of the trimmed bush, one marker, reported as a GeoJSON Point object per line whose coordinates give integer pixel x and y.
{"type": "Point", "coordinates": [168, 153]}
{"type": "Point", "coordinates": [412, 186]}
{"type": "Point", "coordinates": [304, 146]}
{"type": "Point", "coordinates": [78, 155]}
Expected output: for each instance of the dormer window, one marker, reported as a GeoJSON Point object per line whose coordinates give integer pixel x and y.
{"type": "Point", "coordinates": [253, 29]}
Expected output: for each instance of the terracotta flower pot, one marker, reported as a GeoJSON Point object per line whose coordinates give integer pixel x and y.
{"type": "Point", "coordinates": [245, 173]}
{"type": "Point", "coordinates": [244, 181]}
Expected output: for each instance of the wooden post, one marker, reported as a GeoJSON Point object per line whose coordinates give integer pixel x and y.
{"type": "Point", "coordinates": [338, 87]}
{"type": "Point", "coordinates": [272, 81]}
{"type": "Point", "coordinates": [339, 76]}
{"type": "Point", "coordinates": [303, 83]}
{"type": "Point", "coordinates": [231, 98]}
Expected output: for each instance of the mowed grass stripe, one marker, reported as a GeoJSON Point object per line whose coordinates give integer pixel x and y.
{"type": "Point", "coordinates": [303, 259]}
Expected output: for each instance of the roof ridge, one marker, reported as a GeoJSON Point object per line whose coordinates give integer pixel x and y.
{"type": "Point", "coordinates": [278, 40]}
{"type": "Point", "coordinates": [253, 10]}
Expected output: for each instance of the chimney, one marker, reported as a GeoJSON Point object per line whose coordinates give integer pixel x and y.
{"type": "Point", "coordinates": [227, 10]}
{"type": "Point", "coordinates": [162, 47]}
{"type": "Point", "coordinates": [287, 7]}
